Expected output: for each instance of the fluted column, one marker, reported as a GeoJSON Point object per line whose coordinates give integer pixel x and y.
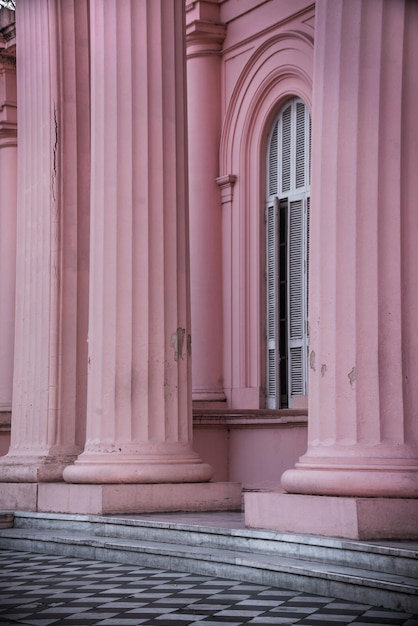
{"type": "Point", "coordinates": [204, 42]}
{"type": "Point", "coordinates": [139, 394]}
{"type": "Point", "coordinates": [8, 191]}
{"type": "Point", "coordinates": [51, 295]}
{"type": "Point", "coordinates": [363, 394]}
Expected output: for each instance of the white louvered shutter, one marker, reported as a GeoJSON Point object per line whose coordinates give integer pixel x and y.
{"type": "Point", "coordinates": [286, 150]}
{"type": "Point", "coordinates": [300, 146]}
{"type": "Point", "coordinates": [272, 392]}
{"type": "Point", "coordinates": [297, 300]}
{"type": "Point", "coordinates": [273, 171]}
{"type": "Point", "coordinates": [287, 230]}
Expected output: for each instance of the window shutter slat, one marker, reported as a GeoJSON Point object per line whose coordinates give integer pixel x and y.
{"type": "Point", "coordinates": [272, 308]}
{"type": "Point", "coordinates": [310, 146]}
{"type": "Point", "coordinates": [308, 230]}
{"type": "Point", "coordinates": [271, 271]}
{"type": "Point", "coordinates": [300, 145]}
{"type": "Point", "coordinates": [296, 371]}
{"type": "Point", "coordinates": [273, 161]}
{"type": "Point", "coordinates": [271, 379]}
{"type": "Point", "coordinates": [286, 148]}
{"type": "Point", "coordinates": [296, 267]}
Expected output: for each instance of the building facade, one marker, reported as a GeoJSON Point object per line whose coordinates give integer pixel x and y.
{"type": "Point", "coordinates": [208, 252]}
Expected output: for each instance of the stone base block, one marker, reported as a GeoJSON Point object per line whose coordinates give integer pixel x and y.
{"type": "Point", "coordinates": [137, 498]}
{"type": "Point", "coordinates": [18, 496]}
{"type": "Point", "coordinates": [351, 518]}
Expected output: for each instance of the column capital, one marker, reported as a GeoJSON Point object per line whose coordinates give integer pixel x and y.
{"type": "Point", "coordinates": [226, 185]}
{"type": "Point", "coordinates": [7, 29]}
{"type": "Point", "coordinates": [8, 96]}
{"type": "Point", "coordinates": [8, 105]}
{"type": "Point", "coordinates": [204, 38]}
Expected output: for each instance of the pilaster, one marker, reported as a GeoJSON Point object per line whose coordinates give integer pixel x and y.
{"type": "Point", "coordinates": [204, 43]}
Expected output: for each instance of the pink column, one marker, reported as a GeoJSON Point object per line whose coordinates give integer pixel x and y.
{"type": "Point", "coordinates": [204, 42]}
{"type": "Point", "coordinates": [8, 189]}
{"type": "Point", "coordinates": [51, 296]}
{"type": "Point", "coordinates": [363, 395]}
{"type": "Point", "coordinates": [139, 394]}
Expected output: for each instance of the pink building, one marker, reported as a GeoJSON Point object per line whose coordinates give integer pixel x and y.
{"type": "Point", "coordinates": [235, 180]}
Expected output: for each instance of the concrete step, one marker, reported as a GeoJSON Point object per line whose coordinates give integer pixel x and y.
{"type": "Point", "coordinates": [362, 572]}
{"type": "Point", "coordinates": [399, 558]}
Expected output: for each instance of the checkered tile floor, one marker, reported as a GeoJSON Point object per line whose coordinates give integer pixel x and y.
{"type": "Point", "coordinates": [43, 590]}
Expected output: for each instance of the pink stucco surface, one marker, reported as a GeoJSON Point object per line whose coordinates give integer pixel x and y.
{"type": "Point", "coordinates": [251, 450]}
{"type": "Point", "coordinates": [133, 257]}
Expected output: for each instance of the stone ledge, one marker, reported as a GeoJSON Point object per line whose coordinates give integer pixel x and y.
{"type": "Point", "coordinates": [252, 418]}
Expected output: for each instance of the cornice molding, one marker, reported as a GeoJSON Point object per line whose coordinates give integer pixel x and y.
{"type": "Point", "coordinates": [7, 27]}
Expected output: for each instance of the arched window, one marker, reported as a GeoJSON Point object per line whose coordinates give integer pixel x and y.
{"type": "Point", "coordinates": [287, 254]}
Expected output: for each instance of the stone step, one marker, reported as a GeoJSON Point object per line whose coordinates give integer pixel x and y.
{"type": "Point", "coordinates": [179, 548]}
{"type": "Point", "coordinates": [398, 558]}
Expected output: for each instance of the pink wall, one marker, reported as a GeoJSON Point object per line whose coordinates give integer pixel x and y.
{"type": "Point", "coordinates": [260, 455]}
{"type": "Point", "coordinates": [252, 449]}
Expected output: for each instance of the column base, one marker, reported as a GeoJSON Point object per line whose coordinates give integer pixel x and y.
{"type": "Point", "coordinates": [120, 499]}
{"type": "Point", "coordinates": [116, 469]}
{"type": "Point", "coordinates": [354, 479]}
{"type": "Point", "coordinates": [350, 518]}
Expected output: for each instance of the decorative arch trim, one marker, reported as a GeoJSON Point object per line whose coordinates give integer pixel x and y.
{"type": "Point", "coordinates": [282, 65]}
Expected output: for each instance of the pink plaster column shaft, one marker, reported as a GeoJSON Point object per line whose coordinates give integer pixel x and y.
{"type": "Point", "coordinates": [8, 192]}
{"type": "Point", "coordinates": [51, 301]}
{"type": "Point", "coordinates": [363, 393]}
{"type": "Point", "coordinates": [204, 42]}
{"type": "Point", "coordinates": [139, 394]}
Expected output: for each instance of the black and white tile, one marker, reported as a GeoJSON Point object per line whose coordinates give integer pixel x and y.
{"type": "Point", "coordinates": [43, 590]}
